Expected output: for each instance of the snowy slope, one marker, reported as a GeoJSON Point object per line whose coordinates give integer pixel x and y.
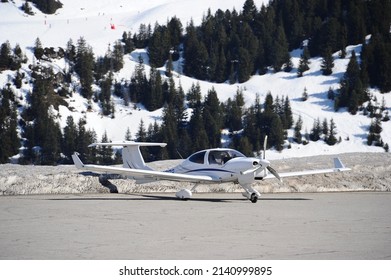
{"type": "Point", "coordinates": [91, 19]}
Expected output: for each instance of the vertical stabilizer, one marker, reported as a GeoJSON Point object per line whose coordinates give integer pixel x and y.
{"type": "Point", "coordinates": [132, 158]}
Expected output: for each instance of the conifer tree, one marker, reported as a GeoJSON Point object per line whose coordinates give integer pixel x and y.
{"type": "Point", "coordinates": [159, 46]}
{"type": "Point", "coordinates": [169, 130]}
{"type": "Point", "coordinates": [84, 67]}
{"type": "Point", "coordinates": [44, 130]}
{"type": "Point", "coordinates": [9, 139]}
{"type": "Point", "coordinates": [128, 135]}
{"type": "Point", "coordinates": [316, 131]}
{"type": "Point", "coordinates": [276, 133]}
{"type": "Point", "coordinates": [17, 58]}
{"type": "Point", "coordinates": [297, 130]}
{"type": "Point", "coordinates": [325, 128]}
{"type": "Point", "coordinates": [51, 144]}
{"type": "Point", "coordinates": [280, 54]}
{"type": "Point", "coordinates": [288, 114]}
{"type": "Point", "coordinates": [249, 11]}
{"type": "Point", "coordinates": [154, 97]}
{"type": "Point", "coordinates": [128, 42]}
{"type": "Point", "coordinates": [139, 84]}
{"type": "Point", "coordinates": [105, 153]}
{"type": "Point", "coordinates": [331, 139]}
{"type": "Point", "coordinates": [352, 92]}
{"type": "Point", "coordinates": [305, 94]}
{"type": "Point", "coordinates": [194, 96]}
{"type": "Point", "coordinates": [330, 93]}
{"type": "Point", "coordinates": [213, 118]}
{"type": "Point", "coordinates": [374, 133]}
{"type": "Point", "coordinates": [105, 95]}
{"type": "Point", "coordinates": [141, 135]}
{"type": "Point", "coordinates": [234, 112]}
{"type": "Point", "coordinates": [5, 56]}
{"type": "Point", "coordinates": [250, 127]}
{"type": "Point", "coordinates": [69, 142]}
{"type": "Point", "coordinates": [327, 63]}
{"type": "Point", "coordinates": [117, 56]}
{"type": "Point", "coordinates": [245, 146]}
{"type": "Point", "coordinates": [197, 131]}
{"type": "Point", "coordinates": [27, 8]}
{"type": "Point", "coordinates": [38, 49]}
{"type": "Point", "coordinates": [83, 140]}
{"type": "Point", "coordinates": [303, 63]}
{"type": "Point", "coordinates": [245, 65]}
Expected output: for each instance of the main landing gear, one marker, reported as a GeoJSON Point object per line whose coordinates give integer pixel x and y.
{"type": "Point", "coordinates": [183, 194]}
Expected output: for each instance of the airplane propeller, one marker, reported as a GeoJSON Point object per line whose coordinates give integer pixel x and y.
{"type": "Point", "coordinates": [268, 167]}
{"type": "Point", "coordinates": [274, 172]}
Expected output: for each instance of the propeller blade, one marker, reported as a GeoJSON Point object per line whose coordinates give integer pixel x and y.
{"type": "Point", "coordinates": [264, 147]}
{"type": "Point", "coordinates": [274, 172]}
{"type": "Point", "coordinates": [252, 170]}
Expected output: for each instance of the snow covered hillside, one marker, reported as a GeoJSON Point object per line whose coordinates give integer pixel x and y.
{"type": "Point", "coordinates": [93, 19]}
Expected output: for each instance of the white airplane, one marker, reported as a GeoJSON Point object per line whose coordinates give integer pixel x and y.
{"type": "Point", "coordinates": [211, 166]}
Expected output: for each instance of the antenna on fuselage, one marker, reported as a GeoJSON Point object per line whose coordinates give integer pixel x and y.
{"type": "Point", "coordinates": [179, 154]}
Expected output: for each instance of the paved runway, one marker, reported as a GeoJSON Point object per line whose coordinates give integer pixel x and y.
{"type": "Point", "coordinates": [211, 226]}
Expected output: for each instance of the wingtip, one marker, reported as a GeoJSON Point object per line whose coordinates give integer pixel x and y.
{"type": "Point", "coordinates": [339, 166]}
{"type": "Point", "coordinates": [76, 160]}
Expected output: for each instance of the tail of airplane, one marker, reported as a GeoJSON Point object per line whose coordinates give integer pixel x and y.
{"type": "Point", "coordinates": [131, 154]}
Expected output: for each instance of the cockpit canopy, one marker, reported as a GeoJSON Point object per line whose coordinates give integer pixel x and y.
{"type": "Point", "coordinates": [215, 156]}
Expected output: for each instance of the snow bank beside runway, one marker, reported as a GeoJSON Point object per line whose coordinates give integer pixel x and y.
{"type": "Point", "coordinates": [370, 172]}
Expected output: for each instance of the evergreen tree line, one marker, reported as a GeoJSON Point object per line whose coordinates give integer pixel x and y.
{"type": "Point", "coordinates": [378, 113]}
{"type": "Point", "coordinates": [45, 6]}
{"type": "Point", "coordinates": [234, 45]}
{"type": "Point", "coordinates": [226, 46]}
{"type": "Point", "coordinates": [9, 139]}
{"type": "Point", "coordinates": [11, 59]}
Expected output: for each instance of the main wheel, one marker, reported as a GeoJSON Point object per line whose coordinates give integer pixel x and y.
{"type": "Point", "coordinates": [254, 198]}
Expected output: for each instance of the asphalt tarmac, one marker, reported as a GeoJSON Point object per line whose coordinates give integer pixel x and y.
{"type": "Point", "coordinates": [210, 226]}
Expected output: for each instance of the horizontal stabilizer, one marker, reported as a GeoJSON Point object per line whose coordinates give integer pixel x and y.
{"type": "Point", "coordinates": [128, 144]}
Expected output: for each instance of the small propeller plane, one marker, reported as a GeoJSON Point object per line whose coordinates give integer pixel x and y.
{"type": "Point", "coordinates": [211, 166]}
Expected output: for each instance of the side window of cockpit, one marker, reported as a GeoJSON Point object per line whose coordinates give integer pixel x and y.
{"type": "Point", "coordinates": [218, 157]}
{"type": "Point", "coordinates": [198, 158]}
{"type": "Point", "coordinates": [214, 158]}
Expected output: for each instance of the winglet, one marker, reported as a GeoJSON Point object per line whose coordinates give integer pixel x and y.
{"type": "Point", "coordinates": [339, 166]}
{"type": "Point", "coordinates": [77, 161]}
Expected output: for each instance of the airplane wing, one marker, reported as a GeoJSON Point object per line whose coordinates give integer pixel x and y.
{"type": "Point", "coordinates": [338, 167]}
{"type": "Point", "coordinates": [141, 174]}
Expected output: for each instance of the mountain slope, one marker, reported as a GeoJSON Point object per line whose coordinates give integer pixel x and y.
{"type": "Point", "coordinates": [93, 19]}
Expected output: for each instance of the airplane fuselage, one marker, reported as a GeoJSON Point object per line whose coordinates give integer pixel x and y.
{"type": "Point", "coordinates": [223, 165]}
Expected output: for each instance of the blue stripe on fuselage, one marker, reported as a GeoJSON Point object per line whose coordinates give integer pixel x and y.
{"type": "Point", "coordinates": [209, 170]}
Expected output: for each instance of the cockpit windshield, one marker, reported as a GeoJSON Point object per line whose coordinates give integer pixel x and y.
{"type": "Point", "coordinates": [220, 157]}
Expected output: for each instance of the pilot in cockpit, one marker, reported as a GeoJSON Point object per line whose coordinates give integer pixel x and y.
{"type": "Point", "coordinates": [218, 157]}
